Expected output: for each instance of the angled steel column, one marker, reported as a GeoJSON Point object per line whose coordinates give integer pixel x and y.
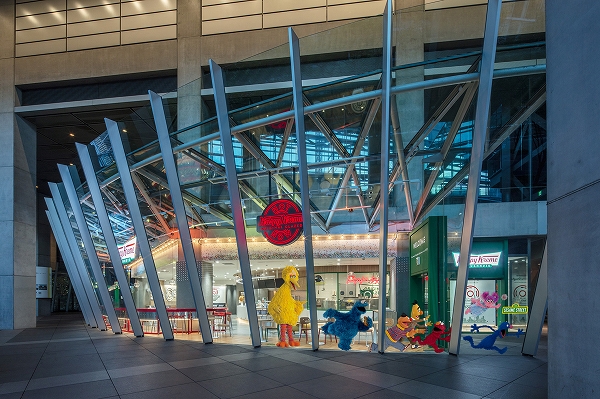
{"type": "Point", "coordinates": [538, 310]}
{"type": "Point", "coordinates": [61, 241]}
{"type": "Point", "coordinates": [479, 133]}
{"type": "Point", "coordinates": [386, 83]}
{"type": "Point", "coordinates": [89, 247]}
{"type": "Point", "coordinates": [138, 226]}
{"type": "Point", "coordinates": [109, 238]}
{"type": "Point", "coordinates": [304, 192]}
{"type": "Point", "coordinates": [402, 161]}
{"type": "Point", "coordinates": [79, 264]}
{"type": "Point", "coordinates": [180, 214]}
{"type": "Point", "coordinates": [239, 224]}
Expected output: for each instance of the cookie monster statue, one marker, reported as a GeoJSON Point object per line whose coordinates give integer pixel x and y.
{"type": "Point", "coordinates": [347, 325]}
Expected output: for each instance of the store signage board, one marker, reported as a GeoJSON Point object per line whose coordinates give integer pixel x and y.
{"type": "Point", "coordinates": [128, 251]}
{"type": "Point", "coordinates": [515, 309]}
{"type": "Point", "coordinates": [280, 222]}
{"type": "Point", "coordinates": [480, 261]}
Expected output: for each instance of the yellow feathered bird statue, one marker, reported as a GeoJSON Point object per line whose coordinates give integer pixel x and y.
{"type": "Point", "coordinates": [284, 309]}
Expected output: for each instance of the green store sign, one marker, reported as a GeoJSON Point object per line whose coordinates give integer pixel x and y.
{"type": "Point", "coordinates": [515, 309]}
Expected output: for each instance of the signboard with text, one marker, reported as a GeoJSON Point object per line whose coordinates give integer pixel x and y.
{"type": "Point", "coordinates": [280, 222]}
{"type": "Point", "coordinates": [128, 250]}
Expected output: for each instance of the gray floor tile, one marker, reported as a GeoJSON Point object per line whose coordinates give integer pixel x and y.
{"type": "Point", "coordinates": [16, 374]}
{"type": "Point", "coordinates": [24, 360]}
{"type": "Point", "coordinates": [336, 387]}
{"type": "Point", "coordinates": [13, 387]}
{"type": "Point", "coordinates": [377, 378]}
{"type": "Point", "coordinates": [49, 367]}
{"type": "Point", "coordinates": [278, 393]}
{"type": "Point", "coordinates": [387, 394]}
{"type": "Point", "coordinates": [242, 356]}
{"type": "Point", "coordinates": [89, 390]}
{"type": "Point", "coordinates": [360, 359]}
{"type": "Point", "coordinates": [403, 369]}
{"type": "Point", "coordinates": [131, 361]}
{"type": "Point", "coordinates": [294, 356]}
{"type": "Point", "coordinates": [518, 391]}
{"type": "Point", "coordinates": [262, 363]}
{"type": "Point", "coordinates": [464, 382]}
{"type": "Point", "coordinates": [11, 396]}
{"type": "Point", "coordinates": [147, 382]}
{"type": "Point", "coordinates": [496, 373]}
{"type": "Point", "coordinates": [237, 385]}
{"type": "Point", "coordinates": [185, 391]}
{"type": "Point", "coordinates": [186, 364]}
{"type": "Point", "coordinates": [139, 370]}
{"type": "Point", "coordinates": [331, 366]}
{"type": "Point", "coordinates": [219, 349]}
{"type": "Point", "coordinates": [293, 373]}
{"type": "Point", "coordinates": [56, 381]}
{"type": "Point", "coordinates": [427, 391]}
{"type": "Point", "coordinates": [11, 350]}
{"type": "Point", "coordinates": [212, 371]}
{"type": "Point", "coordinates": [532, 379]}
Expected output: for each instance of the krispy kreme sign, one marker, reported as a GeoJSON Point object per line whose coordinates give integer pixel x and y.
{"type": "Point", "coordinates": [480, 261]}
{"type": "Point", "coordinates": [280, 222]}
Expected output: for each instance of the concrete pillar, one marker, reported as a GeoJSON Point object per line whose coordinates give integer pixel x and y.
{"type": "Point", "coordinates": [573, 213]}
{"type": "Point", "coordinates": [207, 283]}
{"type": "Point", "coordinates": [17, 193]}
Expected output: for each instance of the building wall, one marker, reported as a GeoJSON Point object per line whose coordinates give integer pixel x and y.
{"type": "Point", "coordinates": [573, 213]}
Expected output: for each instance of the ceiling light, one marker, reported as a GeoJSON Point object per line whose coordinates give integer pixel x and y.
{"type": "Point", "coordinates": [71, 134]}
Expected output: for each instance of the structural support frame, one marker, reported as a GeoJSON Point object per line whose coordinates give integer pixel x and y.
{"type": "Point", "coordinates": [477, 150]}
{"type": "Point", "coordinates": [79, 265]}
{"type": "Point", "coordinates": [89, 247]}
{"type": "Point", "coordinates": [386, 84]}
{"type": "Point", "coordinates": [538, 310]}
{"type": "Point", "coordinates": [61, 241]}
{"type": "Point", "coordinates": [180, 214]}
{"type": "Point", "coordinates": [109, 238]}
{"type": "Point", "coordinates": [138, 226]}
{"type": "Point", "coordinates": [304, 187]}
{"type": "Point", "coordinates": [239, 224]}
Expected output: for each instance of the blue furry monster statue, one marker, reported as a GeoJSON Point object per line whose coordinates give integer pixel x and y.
{"type": "Point", "coordinates": [347, 325]}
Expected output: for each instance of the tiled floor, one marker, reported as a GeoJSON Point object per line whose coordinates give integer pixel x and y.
{"type": "Point", "coordinates": [63, 358]}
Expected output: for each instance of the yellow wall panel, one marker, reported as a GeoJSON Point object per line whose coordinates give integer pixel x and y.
{"type": "Point", "coordinates": [47, 47]}
{"type": "Point", "coordinates": [88, 3]}
{"type": "Point", "coordinates": [232, 25]}
{"type": "Point", "coordinates": [232, 10]}
{"type": "Point", "coordinates": [94, 41]}
{"type": "Point", "coordinates": [287, 5]}
{"type": "Point", "coordinates": [356, 10]}
{"type": "Point", "coordinates": [39, 34]}
{"type": "Point", "coordinates": [42, 20]}
{"type": "Point", "coordinates": [295, 17]}
{"type": "Point", "coordinates": [149, 20]}
{"type": "Point", "coordinates": [94, 27]}
{"type": "Point", "coordinates": [93, 13]}
{"type": "Point", "coordinates": [149, 35]}
{"type": "Point", "coordinates": [39, 7]}
{"type": "Point", "coordinates": [437, 4]}
{"type": "Point", "coordinates": [147, 6]}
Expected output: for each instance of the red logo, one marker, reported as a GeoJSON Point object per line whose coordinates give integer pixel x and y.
{"type": "Point", "coordinates": [280, 222]}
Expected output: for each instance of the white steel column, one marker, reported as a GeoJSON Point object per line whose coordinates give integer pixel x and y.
{"type": "Point", "coordinates": [538, 310]}
{"type": "Point", "coordinates": [79, 264]}
{"type": "Point", "coordinates": [89, 247]}
{"type": "Point", "coordinates": [479, 133]}
{"type": "Point", "coordinates": [239, 225]}
{"type": "Point", "coordinates": [386, 76]}
{"type": "Point", "coordinates": [63, 247]}
{"type": "Point", "coordinates": [180, 215]}
{"type": "Point", "coordinates": [304, 187]}
{"type": "Point", "coordinates": [109, 238]}
{"type": "Point", "coordinates": [138, 226]}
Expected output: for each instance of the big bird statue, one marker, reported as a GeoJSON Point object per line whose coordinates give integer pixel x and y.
{"type": "Point", "coordinates": [284, 309]}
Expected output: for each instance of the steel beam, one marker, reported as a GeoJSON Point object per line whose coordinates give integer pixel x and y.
{"type": "Point", "coordinates": [402, 162]}
{"type": "Point", "coordinates": [180, 214]}
{"type": "Point", "coordinates": [89, 247]}
{"type": "Point", "coordinates": [477, 151]}
{"type": "Point", "coordinates": [109, 238]}
{"type": "Point", "coordinates": [304, 187]}
{"type": "Point", "coordinates": [79, 264]}
{"type": "Point", "coordinates": [538, 310]}
{"type": "Point", "coordinates": [139, 228]}
{"type": "Point", "coordinates": [74, 277]}
{"type": "Point", "coordinates": [386, 84]}
{"type": "Point", "coordinates": [239, 224]}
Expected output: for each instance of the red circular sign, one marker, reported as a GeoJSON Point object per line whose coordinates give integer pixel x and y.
{"type": "Point", "coordinates": [280, 222]}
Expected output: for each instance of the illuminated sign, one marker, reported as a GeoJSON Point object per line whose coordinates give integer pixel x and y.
{"type": "Point", "coordinates": [352, 279]}
{"type": "Point", "coordinates": [280, 222]}
{"type": "Point", "coordinates": [127, 250]}
{"type": "Point", "coordinates": [515, 309]}
{"type": "Point", "coordinates": [480, 261]}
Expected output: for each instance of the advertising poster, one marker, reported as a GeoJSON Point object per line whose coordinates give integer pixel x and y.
{"type": "Point", "coordinates": [43, 282]}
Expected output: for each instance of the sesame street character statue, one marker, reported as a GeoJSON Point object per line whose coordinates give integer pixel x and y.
{"type": "Point", "coordinates": [480, 305]}
{"type": "Point", "coordinates": [394, 335]}
{"type": "Point", "coordinates": [439, 332]}
{"type": "Point", "coordinates": [284, 309]}
{"type": "Point", "coordinates": [347, 325]}
{"type": "Point", "coordinates": [488, 342]}
{"type": "Point", "coordinates": [417, 321]}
